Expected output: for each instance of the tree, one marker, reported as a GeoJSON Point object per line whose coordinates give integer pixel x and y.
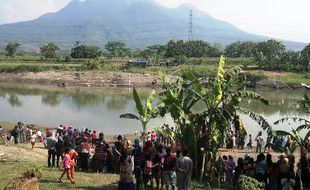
{"type": "Point", "coordinates": [240, 49]}
{"type": "Point", "coordinates": [154, 52]}
{"type": "Point", "coordinates": [49, 51]}
{"type": "Point", "coordinates": [11, 49]}
{"type": "Point", "coordinates": [175, 48]}
{"type": "Point", "coordinates": [221, 99]}
{"type": "Point", "coordinates": [268, 54]}
{"type": "Point", "coordinates": [117, 49]}
{"type": "Point", "coordinates": [85, 52]}
{"type": "Point", "coordinates": [145, 112]}
{"type": "Point", "coordinates": [305, 56]}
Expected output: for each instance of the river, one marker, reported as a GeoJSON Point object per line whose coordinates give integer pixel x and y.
{"type": "Point", "coordinates": [99, 108]}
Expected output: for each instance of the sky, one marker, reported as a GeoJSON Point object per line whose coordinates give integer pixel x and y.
{"type": "Point", "coordinates": [282, 19]}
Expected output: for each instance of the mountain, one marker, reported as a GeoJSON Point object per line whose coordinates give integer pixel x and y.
{"type": "Point", "coordinates": [138, 23]}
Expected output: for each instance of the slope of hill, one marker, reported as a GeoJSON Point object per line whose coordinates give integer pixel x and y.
{"type": "Point", "coordinates": [138, 23]}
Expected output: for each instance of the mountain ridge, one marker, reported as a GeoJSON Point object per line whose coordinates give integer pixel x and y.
{"type": "Point", "coordinates": [138, 23]}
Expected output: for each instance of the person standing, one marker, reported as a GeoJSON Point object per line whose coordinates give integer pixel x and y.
{"type": "Point", "coordinates": [239, 170]}
{"type": "Point", "coordinates": [184, 167]}
{"type": "Point", "coordinates": [231, 165]}
{"type": "Point", "coordinates": [101, 153]}
{"type": "Point", "coordinates": [15, 134]}
{"type": "Point", "coordinates": [60, 149]}
{"type": "Point", "coordinates": [125, 177]}
{"type": "Point", "coordinates": [50, 144]}
{"type": "Point", "coordinates": [233, 142]}
{"type": "Point", "coordinates": [85, 147]}
{"type": "Point", "coordinates": [249, 145]}
{"type": "Point", "coordinates": [259, 142]}
{"type": "Point", "coordinates": [93, 138]}
{"type": "Point", "coordinates": [169, 167]}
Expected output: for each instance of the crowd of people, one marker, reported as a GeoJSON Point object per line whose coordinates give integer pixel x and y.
{"type": "Point", "coordinates": [22, 133]}
{"type": "Point", "coordinates": [155, 162]}
{"type": "Point", "coordinates": [284, 173]}
{"type": "Point", "coordinates": [237, 141]}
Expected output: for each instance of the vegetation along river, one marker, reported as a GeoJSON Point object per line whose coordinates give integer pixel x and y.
{"type": "Point", "coordinates": [99, 108]}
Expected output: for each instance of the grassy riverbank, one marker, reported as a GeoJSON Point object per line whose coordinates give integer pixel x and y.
{"type": "Point", "coordinates": [21, 157]}
{"type": "Point", "coordinates": [114, 72]}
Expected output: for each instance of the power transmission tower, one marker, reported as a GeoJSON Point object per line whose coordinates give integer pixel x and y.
{"type": "Point", "coordinates": [190, 30]}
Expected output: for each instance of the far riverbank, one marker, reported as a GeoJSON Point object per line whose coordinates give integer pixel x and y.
{"type": "Point", "coordinates": [257, 79]}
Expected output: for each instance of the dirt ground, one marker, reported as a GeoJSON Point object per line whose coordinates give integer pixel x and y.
{"type": "Point", "coordinates": [85, 78]}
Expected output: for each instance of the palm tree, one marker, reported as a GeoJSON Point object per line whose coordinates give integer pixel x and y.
{"type": "Point", "coordinates": [145, 112]}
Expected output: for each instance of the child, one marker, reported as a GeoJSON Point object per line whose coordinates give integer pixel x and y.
{"type": "Point", "coordinates": [33, 140]}
{"type": "Point", "coordinates": [67, 166]}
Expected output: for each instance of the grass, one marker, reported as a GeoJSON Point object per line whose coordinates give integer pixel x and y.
{"type": "Point", "coordinates": [199, 66]}
{"type": "Point", "coordinates": [24, 157]}
{"type": "Point", "coordinates": [296, 78]}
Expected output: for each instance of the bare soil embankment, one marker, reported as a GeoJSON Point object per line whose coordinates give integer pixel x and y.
{"type": "Point", "coordinates": [86, 78]}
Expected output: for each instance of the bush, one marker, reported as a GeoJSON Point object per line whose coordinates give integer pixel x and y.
{"type": "Point", "coordinates": [92, 65]}
{"type": "Point", "coordinates": [246, 183]}
{"type": "Point", "coordinates": [32, 172]}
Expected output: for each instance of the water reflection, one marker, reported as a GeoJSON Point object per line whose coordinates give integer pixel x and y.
{"type": "Point", "coordinates": [81, 99]}
{"type": "Point", "coordinates": [100, 108]}
{"type": "Point", "coordinates": [14, 100]}
{"type": "Point", "coordinates": [51, 99]}
{"type": "Point", "coordinates": [117, 102]}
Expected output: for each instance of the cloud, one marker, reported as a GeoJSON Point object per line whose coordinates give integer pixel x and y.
{"type": "Point", "coordinates": [22, 10]}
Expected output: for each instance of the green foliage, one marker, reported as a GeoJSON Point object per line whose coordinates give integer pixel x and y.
{"type": "Point", "coordinates": [306, 103]}
{"type": "Point", "coordinates": [92, 65]}
{"type": "Point", "coordinates": [221, 99]}
{"type": "Point", "coordinates": [146, 112]}
{"type": "Point", "coordinates": [249, 183]}
{"type": "Point", "coordinates": [268, 54]}
{"type": "Point", "coordinates": [49, 51]}
{"type": "Point", "coordinates": [117, 49]}
{"type": "Point", "coordinates": [305, 55]}
{"type": "Point", "coordinates": [85, 52]}
{"type": "Point", "coordinates": [11, 49]}
{"type": "Point", "coordinates": [196, 48]}
{"type": "Point", "coordinates": [240, 49]}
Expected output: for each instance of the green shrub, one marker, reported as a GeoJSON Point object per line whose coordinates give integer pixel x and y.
{"type": "Point", "coordinates": [249, 183]}
{"type": "Point", "coordinates": [92, 65]}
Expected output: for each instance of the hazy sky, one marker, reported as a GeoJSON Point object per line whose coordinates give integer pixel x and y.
{"type": "Point", "coordinates": [285, 19]}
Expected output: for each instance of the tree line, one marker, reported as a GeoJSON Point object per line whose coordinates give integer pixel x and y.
{"type": "Point", "coordinates": [269, 55]}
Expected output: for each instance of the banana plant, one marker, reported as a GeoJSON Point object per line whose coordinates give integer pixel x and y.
{"type": "Point", "coordinates": [145, 112]}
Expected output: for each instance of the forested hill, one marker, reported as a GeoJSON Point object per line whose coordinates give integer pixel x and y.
{"type": "Point", "coordinates": [138, 23]}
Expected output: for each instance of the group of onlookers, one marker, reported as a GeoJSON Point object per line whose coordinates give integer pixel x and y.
{"type": "Point", "coordinates": [22, 133]}
{"type": "Point", "coordinates": [283, 173]}
{"type": "Point", "coordinates": [234, 141]}
{"type": "Point", "coordinates": [148, 161]}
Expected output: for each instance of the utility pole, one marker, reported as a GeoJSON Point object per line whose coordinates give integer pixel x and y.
{"type": "Point", "coordinates": [190, 28]}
